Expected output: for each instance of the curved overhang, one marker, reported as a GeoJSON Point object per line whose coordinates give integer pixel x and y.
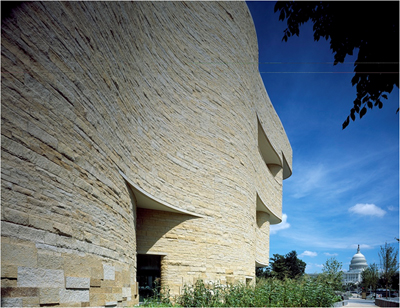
{"type": "Point", "coordinates": [261, 264]}
{"type": "Point", "coordinates": [146, 201]}
{"type": "Point", "coordinates": [261, 207]}
{"type": "Point", "coordinates": [267, 151]}
{"type": "Point", "coordinates": [287, 171]}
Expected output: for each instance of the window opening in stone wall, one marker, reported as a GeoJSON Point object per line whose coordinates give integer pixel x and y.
{"type": "Point", "coordinates": [249, 281]}
{"type": "Point", "coordinates": [148, 275]}
{"type": "Point", "coordinates": [269, 155]}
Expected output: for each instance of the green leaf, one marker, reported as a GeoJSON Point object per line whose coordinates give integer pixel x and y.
{"type": "Point", "coordinates": [353, 117]}
{"type": "Point", "coordinates": [345, 123]}
{"type": "Point", "coordinates": [282, 15]}
{"type": "Point", "coordinates": [363, 112]}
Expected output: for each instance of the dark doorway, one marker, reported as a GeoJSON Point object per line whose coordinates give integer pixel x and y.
{"type": "Point", "coordinates": [148, 275]}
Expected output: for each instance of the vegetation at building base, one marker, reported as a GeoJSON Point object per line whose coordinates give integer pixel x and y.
{"type": "Point", "coordinates": [267, 292]}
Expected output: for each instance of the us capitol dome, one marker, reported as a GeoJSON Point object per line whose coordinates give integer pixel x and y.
{"type": "Point", "coordinates": [357, 265]}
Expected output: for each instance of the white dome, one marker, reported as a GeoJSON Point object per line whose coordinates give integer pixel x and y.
{"type": "Point", "coordinates": [358, 262]}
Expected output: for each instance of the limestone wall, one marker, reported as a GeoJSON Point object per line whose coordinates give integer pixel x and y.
{"type": "Point", "coordinates": [166, 94]}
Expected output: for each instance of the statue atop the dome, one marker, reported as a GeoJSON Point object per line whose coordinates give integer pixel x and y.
{"type": "Point", "coordinates": [358, 249]}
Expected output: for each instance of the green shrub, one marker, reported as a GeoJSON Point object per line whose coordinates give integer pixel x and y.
{"type": "Point", "coordinates": [271, 292]}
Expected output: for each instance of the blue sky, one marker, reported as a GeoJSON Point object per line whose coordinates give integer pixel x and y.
{"type": "Point", "coordinates": [344, 190]}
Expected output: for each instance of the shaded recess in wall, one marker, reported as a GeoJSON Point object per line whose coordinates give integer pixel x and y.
{"type": "Point", "coordinates": [161, 217]}
{"type": "Point", "coordinates": [274, 162]}
{"type": "Point", "coordinates": [262, 207]}
{"type": "Point", "coordinates": [268, 153]}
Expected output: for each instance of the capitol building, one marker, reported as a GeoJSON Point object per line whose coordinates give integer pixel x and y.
{"type": "Point", "coordinates": [357, 265]}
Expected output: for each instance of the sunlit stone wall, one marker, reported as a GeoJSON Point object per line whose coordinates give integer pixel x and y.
{"type": "Point", "coordinates": [102, 101]}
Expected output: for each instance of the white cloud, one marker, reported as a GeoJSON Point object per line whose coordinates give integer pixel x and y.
{"type": "Point", "coordinates": [330, 254]}
{"type": "Point", "coordinates": [392, 208]}
{"type": "Point", "coordinates": [367, 209]}
{"type": "Point", "coordinates": [308, 254]}
{"type": "Point", "coordinates": [281, 226]}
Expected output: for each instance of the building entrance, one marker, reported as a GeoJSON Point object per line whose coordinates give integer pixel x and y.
{"type": "Point", "coordinates": [148, 275]}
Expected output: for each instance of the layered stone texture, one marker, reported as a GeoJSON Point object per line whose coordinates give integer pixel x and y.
{"type": "Point", "coordinates": [167, 94]}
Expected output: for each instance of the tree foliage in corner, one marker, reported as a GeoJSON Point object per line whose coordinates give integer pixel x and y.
{"type": "Point", "coordinates": [371, 27]}
{"type": "Point", "coordinates": [388, 263]}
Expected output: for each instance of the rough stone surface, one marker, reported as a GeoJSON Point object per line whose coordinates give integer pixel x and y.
{"type": "Point", "coordinates": [109, 272]}
{"type": "Point", "coordinates": [77, 283]}
{"type": "Point", "coordinates": [49, 295]}
{"type": "Point", "coordinates": [74, 296]}
{"type": "Point", "coordinates": [19, 292]}
{"type": "Point", "coordinates": [11, 302]}
{"type": "Point", "coordinates": [40, 278]}
{"type": "Point", "coordinates": [18, 255]}
{"type": "Point", "coordinates": [134, 128]}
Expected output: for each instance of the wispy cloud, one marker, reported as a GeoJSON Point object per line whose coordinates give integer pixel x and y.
{"type": "Point", "coordinates": [281, 226]}
{"type": "Point", "coordinates": [330, 254]}
{"type": "Point", "coordinates": [367, 210]}
{"type": "Point", "coordinates": [392, 208]}
{"type": "Point", "coordinates": [312, 266]}
{"type": "Point", "coordinates": [308, 254]}
{"type": "Point", "coordinates": [311, 179]}
{"type": "Point", "coordinates": [362, 246]}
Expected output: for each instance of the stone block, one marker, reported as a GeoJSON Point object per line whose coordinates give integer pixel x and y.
{"type": "Point", "coordinates": [30, 301]}
{"type": "Point", "coordinates": [50, 261]}
{"type": "Point", "coordinates": [9, 271]}
{"type": "Point", "coordinates": [15, 216]}
{"type": "Point", "coordinates": [75, 269]}
{"type": "Point", "coordinates": [117, 292]}
{"type": "Point", "coordinates": [11, 302]}
{"type": "Point", "coordinates": [108, 283]}
{"type": "Point", "coordinates": [109, 272]}
{"type": "Point", "coordinates": [5, 282]}
{"type": "Point", "coordinates": [49, 295]}
{"type": "Point", "coordinates": [22, 232]}
{"type": "Point", "coordinates": [74, 296]}
{"type": "Point", "coordinates": [126, 292]}
{"type": "Point", "coordinates": [97, 272]}
{"type": "Point", "coordinates": [40, 223]}
{"type": "Point", "coordinates": [77, 282]}
{"type": "Point", "coordinates": [38, 277]}
{"type": "Point", "coordinates": [63, 229]}
{"type": "Point", "coordinates": [18, 255]}
{"type": "Point", "coordinates": [95, 283]}
{"type": "Point", "coordinates": [19, 292]}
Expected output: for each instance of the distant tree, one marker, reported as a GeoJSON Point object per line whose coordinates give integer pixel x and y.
{"type": "Point", "coordinates": [332, 273]}
{"type": "Point", "coordinates": [388, 263]}
{"type": "Point", "coordinates": [281, 267]}
{"type": "Point", "coordinates": [370, 276]}
{"type": "Point", "coordinates": [371, 27]}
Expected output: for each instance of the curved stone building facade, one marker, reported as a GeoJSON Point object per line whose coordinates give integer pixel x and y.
{"type": "Point", "coordinates": [138, 143]}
